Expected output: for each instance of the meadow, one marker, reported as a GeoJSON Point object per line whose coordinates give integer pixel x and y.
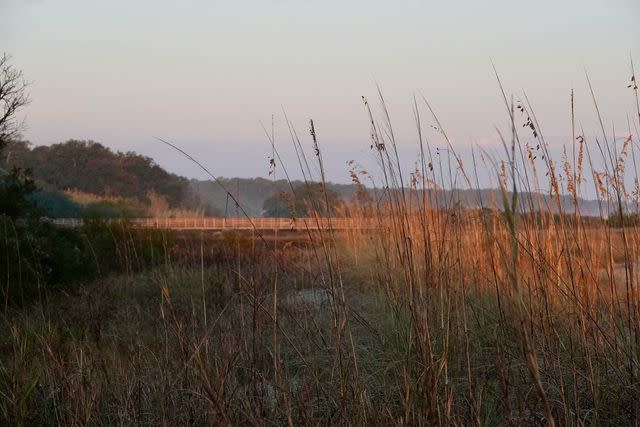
{"type": "Point", "coordinates": [522, 314]}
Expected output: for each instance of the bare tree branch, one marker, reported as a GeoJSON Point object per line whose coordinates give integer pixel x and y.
{"type": "Point", "coordinates": [13, 96]}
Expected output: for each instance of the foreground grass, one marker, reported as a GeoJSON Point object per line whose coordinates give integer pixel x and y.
{"type": "Point", "coordinates": [210, 344]}
{"type": "Point", "coordinates": [152, 348]}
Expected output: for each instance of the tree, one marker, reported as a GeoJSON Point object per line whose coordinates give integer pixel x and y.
{"type": "Point", "coordinates": [279, 205]}
{"type": "Point", "coordinates": [15, 189]}
{"type": "Point", "coordinates": [16, 185]}
{"type": "Point", "coordinates": [307, 199]}
{"type": "Point", "coordinates": [13, 96]}
{"type": "Point", "coordinates": [90, 167]}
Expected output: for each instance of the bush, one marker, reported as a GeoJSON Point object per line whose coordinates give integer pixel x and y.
{"type": "Point", "coordinates": [15, 188]}
{"type": "Point", "coordinates": [39, 257]}
{"type": "Point", "coordinates": [38, 254]}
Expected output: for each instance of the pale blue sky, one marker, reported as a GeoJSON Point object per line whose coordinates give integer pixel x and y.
{"type": "Point", "coordinates": [204, 74]}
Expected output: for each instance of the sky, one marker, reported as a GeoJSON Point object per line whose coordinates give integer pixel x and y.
{"type": "Point", "coordinates": [209, 76]}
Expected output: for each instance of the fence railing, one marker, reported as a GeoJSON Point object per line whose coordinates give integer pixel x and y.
{"type": "Point", "coordinates": [299, 224]}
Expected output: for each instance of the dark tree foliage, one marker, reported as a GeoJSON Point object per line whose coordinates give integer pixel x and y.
{"type": "Point", "coordinates": [93, 168]}
{"type": "Point", "coordinates": [305, 200]}
{"type": "Point", "coordinates": [252, 193]}
{"type": "Point", "coordinates": [15, 189]}
{"type": "Point", "coordinates": [279, 205]}
{"type": "Point", "coordinates": [619, 220]}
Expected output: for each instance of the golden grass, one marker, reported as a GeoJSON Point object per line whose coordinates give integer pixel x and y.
{"type": "Point", "coordinates": [443, 315]}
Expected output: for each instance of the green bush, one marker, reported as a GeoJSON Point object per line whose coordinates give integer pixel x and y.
{"type": "Point", "coordinates": [39, 257]}
{"type": "Point", "coordinates": [15, 189]}
{"type": "Point", "coordinates": [36, 256]}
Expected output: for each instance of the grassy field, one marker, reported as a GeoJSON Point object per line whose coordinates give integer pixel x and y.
{"type": "Point", "coordinates": [442, 315]}
{"type": "Point", "coordinates": [356, 331]}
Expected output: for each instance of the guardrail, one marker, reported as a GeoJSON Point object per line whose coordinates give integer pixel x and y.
{"type": "Point", "coordinates": [221, 224]}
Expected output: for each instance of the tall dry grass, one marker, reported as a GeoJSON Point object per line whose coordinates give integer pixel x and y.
{"type": "Point", "coordinates": [439, 315]}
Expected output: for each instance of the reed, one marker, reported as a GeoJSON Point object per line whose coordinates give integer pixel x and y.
{"type": "Point", "coordinates": [519, 312]}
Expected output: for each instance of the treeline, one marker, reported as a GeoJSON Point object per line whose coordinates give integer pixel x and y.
{"type": "Point", "coordinates": [129, 185]}
{"type": "Point", "coordinates": [262, 197]}
{"type": "Point", "coordinates": [91, 167]}
{"type": "Point", "coordinates": [125, 181]}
